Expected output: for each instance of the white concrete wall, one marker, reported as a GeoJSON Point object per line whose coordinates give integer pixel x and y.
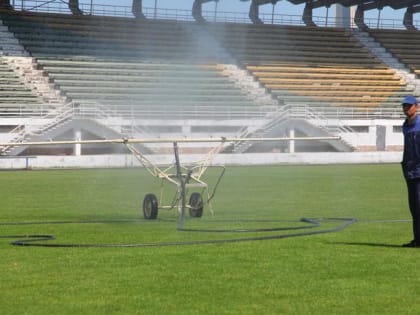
{"type": "Point", "coordinates": [122, 161]}
{"type": "Point", "coordinates": [369, 138]}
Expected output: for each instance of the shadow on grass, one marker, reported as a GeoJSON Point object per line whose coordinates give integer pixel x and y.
{"type": "Point", "coordinates": [366, 244]}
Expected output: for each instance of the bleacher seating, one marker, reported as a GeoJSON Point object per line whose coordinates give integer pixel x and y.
{"type": "Point", "coordinates": [158, 65]}
{"type": "Point", "coordinates": [158, 68]}
{"type": "Point", "coordinates": [163, 70]}
{"type": "Point", "coordinates": [16, 99]}
{"type": "Point", "coordinates": [150, 65]}
{"type": "Point", "coordinates": [403, 44]}
{"type": "Point", "coordinates": [312, 65]}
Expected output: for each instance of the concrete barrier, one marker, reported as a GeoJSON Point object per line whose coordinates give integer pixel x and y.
{"type": "Point", "coordinates": [125, 161]}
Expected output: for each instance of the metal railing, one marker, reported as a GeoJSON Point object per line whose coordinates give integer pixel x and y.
{"type": "Point", "coordinates": [345, 113]}
{"type": "Point", "coordinates": [90, 110]}
{"type": "Point", "coordinates": [53, 118]}
{"type": "Point", "coordinates": [130, 112]}
{"type": "Point", "coordinates": [91, 8]}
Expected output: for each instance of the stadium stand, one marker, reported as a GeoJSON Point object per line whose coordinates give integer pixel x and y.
{"type": "Point", "coordinates": [403, 44]}
{"type": "Point", "coordinates": [170, 71]}
{"type": "Point", "coordinates": [320, 66]}
{"type": "Point", "coordinates": [16, 99]}
{"type": "Point", "coordinates": [152, 67]}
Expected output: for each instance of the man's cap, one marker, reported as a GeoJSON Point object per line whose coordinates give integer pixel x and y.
{"type": "Point", "coordinates": [409, 100]}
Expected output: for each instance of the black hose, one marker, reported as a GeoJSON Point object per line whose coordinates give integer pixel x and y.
{"type": "Point", "coordinates": [313, 224]}
{"type": "Point", "coordinates": [38, 240]}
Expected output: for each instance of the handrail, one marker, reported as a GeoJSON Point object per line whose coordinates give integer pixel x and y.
{"type": "Point", "coordinates": [90, 8]}
{"type": "Point", "coordinates": [100, 111]}
{"type": "Point", "coordinates": [310, 114]}
{"type": "Point", "coordinates": [287, 112]}
{"type": "Point", "coordinates": [345, 113]}
{"type": "Point", "coordinates": [129, 112]}
{"type": "Point", "coordinates": [55, 116]}
{"type": "Point", "coordinates": [210, 112]}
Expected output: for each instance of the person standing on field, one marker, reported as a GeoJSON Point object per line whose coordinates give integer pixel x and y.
{"type": "Point", "coordinates": [411, 163]}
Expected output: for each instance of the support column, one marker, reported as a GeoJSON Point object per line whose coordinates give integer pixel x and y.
{"type": "Point", "coordinates": [307, 14]}
{"type": "Point", "coordinates": [74, 7]}
{"type": "Point", "coordinates": [381, 138]}
{"type": "Point", "coordinates": [292, 142]}
{"type": "Point", "coordinates": [408, 19]}
{"type": "Point", "coordinates": [342, 15]}
{"type": "Point", "coordinates": [137, 9]}
{"type": "Point", "coordinates": [197, 10]}
{"type": "Point", "coordinates": [77, 150]}
{"type": "Point", "coordinates": [254, 12]}
{"type": "Point", "coordinates": [359, 17]}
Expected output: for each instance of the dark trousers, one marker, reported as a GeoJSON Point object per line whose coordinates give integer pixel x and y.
{"type": "Point", "coordinates": [413, 187]}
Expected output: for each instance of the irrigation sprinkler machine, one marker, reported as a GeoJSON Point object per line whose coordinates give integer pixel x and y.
{"type": "Point", "coordinates": [191, 194]}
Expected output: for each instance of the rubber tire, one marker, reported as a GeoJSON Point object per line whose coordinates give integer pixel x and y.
{"type": "Point", "coordinates": [150, 207]}
{"type": "Point", "coordinates": [196, 205]}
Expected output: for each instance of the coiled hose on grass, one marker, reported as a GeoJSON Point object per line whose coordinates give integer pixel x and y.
{"type": "Point", "coordinates": [43, 240]}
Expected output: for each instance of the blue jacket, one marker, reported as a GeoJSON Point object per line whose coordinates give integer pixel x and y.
{"type": "Point", "coordinates": [411, 156]}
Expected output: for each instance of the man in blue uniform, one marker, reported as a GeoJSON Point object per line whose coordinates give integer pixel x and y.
{"type": "Point", "coordinates": [411, 163]}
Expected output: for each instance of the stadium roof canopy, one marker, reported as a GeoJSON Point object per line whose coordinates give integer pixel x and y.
{"type": "Point", "coordinates": [379, 4]}
{"type": "Point", "coordinates": [413, 6]}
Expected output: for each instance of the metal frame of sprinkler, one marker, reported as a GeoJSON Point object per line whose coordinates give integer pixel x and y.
{"type": "Point", "coordinates": [183, 178]}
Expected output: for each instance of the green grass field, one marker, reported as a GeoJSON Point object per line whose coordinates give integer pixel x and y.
{"type": "Point", "coordinates": [359, 270]}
